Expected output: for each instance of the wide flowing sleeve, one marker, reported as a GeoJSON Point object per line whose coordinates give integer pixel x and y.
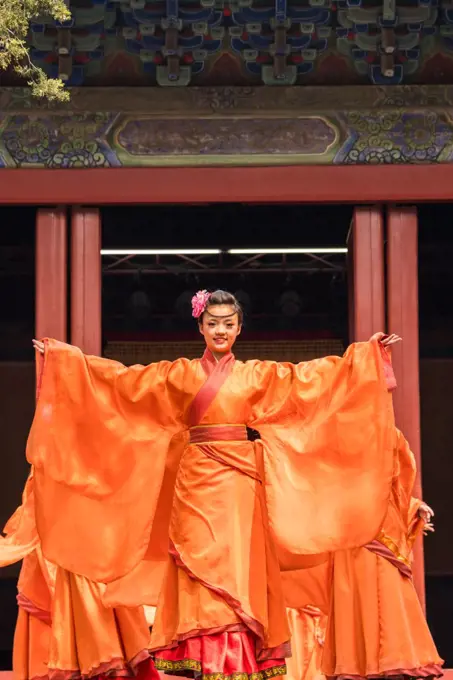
{"type": "Point", "coordinates": [21, 537]}
{"type": "Point", "coordinates": [407, 506]}
{"type": "Point", "coordinates": [328, 434]}
{"type": "Point", "coordinates": [98, 447]}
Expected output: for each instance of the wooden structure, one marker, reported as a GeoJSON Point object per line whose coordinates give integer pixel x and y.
{"type": "Point", "coordinates": [252, 42]}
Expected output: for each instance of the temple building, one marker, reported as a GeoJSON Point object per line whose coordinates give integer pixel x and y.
{"type": "Point", "coordinates": [296, 151]}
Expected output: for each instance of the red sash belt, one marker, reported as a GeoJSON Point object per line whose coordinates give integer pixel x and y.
{"type": "Point", "coordinates": [202, 434]}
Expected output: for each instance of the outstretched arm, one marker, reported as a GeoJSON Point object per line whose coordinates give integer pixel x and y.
{"type": "Point", "coordinates": [98, 445]}
{"type": "Point", "coordinates": [328, 431]}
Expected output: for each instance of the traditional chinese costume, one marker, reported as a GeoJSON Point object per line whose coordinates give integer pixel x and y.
{"type": "Point", "coordinates": [148, 489]}
{"type": "Point", "coordinates": [376, 625]}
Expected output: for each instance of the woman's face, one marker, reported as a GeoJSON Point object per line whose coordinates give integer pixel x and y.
{"type": "Point", "coordinates": [220, 327]}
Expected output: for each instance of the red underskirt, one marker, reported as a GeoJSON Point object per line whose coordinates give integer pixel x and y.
{"type": "Point", "coordinates": [144, 670]}
{"type": "Point", "coordinates": [219, 656]}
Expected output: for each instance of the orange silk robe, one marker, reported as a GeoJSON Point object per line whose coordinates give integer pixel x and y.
{"type": "Point", "coordinates": [376, 624]}
{"type": "Point", "coordinates": [130, 511]}
{"type": "Point", "coordinates": [307, 626]}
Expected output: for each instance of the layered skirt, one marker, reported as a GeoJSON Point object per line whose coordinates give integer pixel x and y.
{"type": "Point", "coordinates": [376, 626]}
{"type": "Point", "coordinates": [221, 610]}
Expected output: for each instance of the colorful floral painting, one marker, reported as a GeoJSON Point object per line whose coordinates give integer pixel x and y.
{"type": "Point", "coordinates": [58, 141]}
{"type": "Point", "coordinates": [225, 126]}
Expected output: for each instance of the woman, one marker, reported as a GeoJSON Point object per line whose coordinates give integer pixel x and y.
{"type": "Point", "coordinates": [376, 625]}
{"type": "Point", "coordinates": [367, 622]}
{"type": "Point", "coordinates": [192, 486]}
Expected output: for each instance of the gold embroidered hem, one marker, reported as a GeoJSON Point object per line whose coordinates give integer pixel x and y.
{"type": "Point", "coordinates": [178, 667]}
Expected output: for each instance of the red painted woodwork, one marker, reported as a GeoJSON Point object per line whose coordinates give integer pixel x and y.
{"type": "Point", "coordinates": [51, 274]}
{"type": "Point", "coordinates": [86, 280]}
{"type": "Point", "coordinates": [278, 184]}
{"type": "Point", "coordinates": [402, 286]}
{"type": "Point", "coordinates": [366, 273]}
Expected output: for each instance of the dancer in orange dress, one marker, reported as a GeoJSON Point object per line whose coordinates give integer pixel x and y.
{"type": "Point", "coordinates": [376, 625]}
{"type": "Point", "coordinates": [190, 486]}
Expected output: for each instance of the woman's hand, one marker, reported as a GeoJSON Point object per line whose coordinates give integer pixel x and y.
{"type": "Point", "coordinates": [390, 340]}
{"type": "Point", "coordinates": [38, 345]}
{"type": "Point", "coordinates": [426, 513]}
{"type": "Point", "coordinates": [386, 340]}
{"type": "Point", "coordinates": [429, 527]}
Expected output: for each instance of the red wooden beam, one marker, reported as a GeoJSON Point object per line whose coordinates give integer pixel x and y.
{"type": "Point", "coordinates": [402, 278]}
{"type": "Point", "coordinates": [86, 280]}
{"type": "Point", "coordinates": [367, 286]}
{"type": "Point", "coordinates": [277, 184]}
{"type": "Point", "coordinates": [51, 274]}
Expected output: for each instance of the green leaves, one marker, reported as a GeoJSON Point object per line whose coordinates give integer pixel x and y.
{"type": "Point", "coordinates": [15, 17]}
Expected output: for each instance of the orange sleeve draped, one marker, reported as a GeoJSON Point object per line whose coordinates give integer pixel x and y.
{"type": "Point", "coordinates": [402, 522]}
{"type": "Point", "coordinates": [98, 446]}
{"type": "Point", "coordinates": [21, 535]}
{"type": "Point", "coordinates": [328, 432]}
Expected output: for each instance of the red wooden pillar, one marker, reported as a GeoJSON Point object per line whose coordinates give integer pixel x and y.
{"type": "Point", "coordinates": [366, 273]}
{"type": "Point", "coordinates": [51, 274]}
{"type": "Point", "coordinates": [86, 280]}
{"type": "Point", "coordinates": [402, 279]}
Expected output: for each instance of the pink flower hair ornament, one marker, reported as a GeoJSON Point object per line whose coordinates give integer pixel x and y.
{"type": "Point", "coordinates": [199, 303]}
